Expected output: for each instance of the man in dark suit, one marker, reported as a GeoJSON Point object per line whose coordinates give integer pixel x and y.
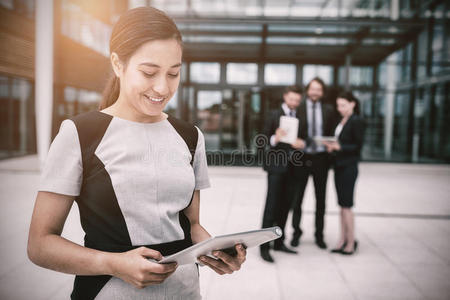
{"type": "Point", "coordinates": [279, 168]}
{"type": "Point", "coordinates": [316, 119]}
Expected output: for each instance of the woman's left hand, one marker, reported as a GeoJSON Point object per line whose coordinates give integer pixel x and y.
{"type": "Point", "coordinates": [225, 264]}
{"type": "Point", "coordinates": [332, 146]}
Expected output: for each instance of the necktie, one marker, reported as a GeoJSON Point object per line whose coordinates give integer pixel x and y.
{"type": "Point", "coordinates": [314, 129]}
{"type": "Point", "coordinates": [292, 113]}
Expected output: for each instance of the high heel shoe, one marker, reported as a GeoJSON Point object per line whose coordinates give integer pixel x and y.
{"type": "Point", "coordinates": [339, 250]}
{"type": "Point", "coordinates": [355, 246]}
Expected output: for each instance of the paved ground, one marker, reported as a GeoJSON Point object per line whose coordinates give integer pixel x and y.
{"type": "Point", "coordinates": [403, 225]}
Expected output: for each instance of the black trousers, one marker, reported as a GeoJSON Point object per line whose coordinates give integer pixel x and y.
{"type": "Point", "coordinates": [316, 165]}
{"type": "Point", "coordinates": [278, 201]}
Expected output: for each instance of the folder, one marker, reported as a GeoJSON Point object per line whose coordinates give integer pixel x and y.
{"type": "Point", "coordinates": [290, 126]}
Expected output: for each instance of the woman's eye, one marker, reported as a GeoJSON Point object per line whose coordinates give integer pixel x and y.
{"type": "Point", "coordinates": [148, 74]}
{"type": "Point", "coordinates": [174, 75]}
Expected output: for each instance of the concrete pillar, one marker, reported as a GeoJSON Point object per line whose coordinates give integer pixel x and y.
{"type": "Point", "coordinates": [44, 76]}
{"type": "Point", "coordinates": [389, 105]}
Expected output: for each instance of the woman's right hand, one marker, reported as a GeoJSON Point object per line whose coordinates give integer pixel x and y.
{"type": "Point", "coordinates": [134, 267]}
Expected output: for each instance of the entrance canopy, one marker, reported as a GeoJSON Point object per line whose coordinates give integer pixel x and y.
{"type": "Point", "coordinates": [295, 31]}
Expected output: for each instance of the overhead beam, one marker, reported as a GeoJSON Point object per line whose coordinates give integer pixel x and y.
{"type": "Point", "coordinates": [374, 35]}
{"type": "Point", "coordinates": [303, 21]}
{"type": "Point", "coordinates": [357, 41]}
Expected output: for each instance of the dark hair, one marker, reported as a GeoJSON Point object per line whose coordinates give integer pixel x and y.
{"type": "Point", "coordinates": [347, 95]}
{"type": "Point", "coordinates": [294, 89]}
{"type": "Point", "coordinates": [319, 81]}
{"type": "Point", "coordinates": [134, 28]}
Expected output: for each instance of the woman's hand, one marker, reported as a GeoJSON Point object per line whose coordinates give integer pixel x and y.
{"type": "Point", "coordinates": [135, 268]}
{"type": "Point", "coordinates": [225, 264]}
{"type": "Point", "coordinates": [332, 146]}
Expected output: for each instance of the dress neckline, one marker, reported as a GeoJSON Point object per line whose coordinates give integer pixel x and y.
{"type": "Point", "coordinates": [135, 122]}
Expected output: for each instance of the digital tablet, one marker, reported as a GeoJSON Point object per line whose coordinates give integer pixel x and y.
{"type": "Point", "coordinates": [322, 139]}
{"type": "Point", "coordinates": [224, 243]}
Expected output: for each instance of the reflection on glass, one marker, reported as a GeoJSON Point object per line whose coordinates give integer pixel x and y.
{"type": "Point", "coordinates": [83, 28]}
{"type": "Point", "coordinates": [239, 73]}
{"type": "Point", "coordinates": [359, 76]}
{"type": "Point", "coordinates": [229, 111]}
{"type": "Point", "coordinates": [322, 71]}
{"type": "Point", "coordinates": [77, 101]}
{"type": "Point", "coordinates": [208, 117]}
{"type": "Point", "coordinates": [203, 72]}
{"type": "Point", "coordinates": [279, 74]}
{"type": "Point", "coordinates": [16, 117]}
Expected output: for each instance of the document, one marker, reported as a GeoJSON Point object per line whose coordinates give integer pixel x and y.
{"type": "Point", "coordinates": [290, 126]}
{"type": "Point", "coordinates": [225, 243]}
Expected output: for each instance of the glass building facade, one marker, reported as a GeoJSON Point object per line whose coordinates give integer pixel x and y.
{"type": "Point", "coordinates": [393, 54]}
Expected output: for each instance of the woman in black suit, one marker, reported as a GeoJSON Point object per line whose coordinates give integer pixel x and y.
{"type": "Point", "coordinates": [347, 149]}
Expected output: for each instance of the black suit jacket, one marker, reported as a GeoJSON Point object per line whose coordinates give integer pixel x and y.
{"type": "Point", "coordinates": [351, 140]}
{"type": "Point", "coordinates": [329, 121]}
{"type": "Point", "coordinates": [276, 159]}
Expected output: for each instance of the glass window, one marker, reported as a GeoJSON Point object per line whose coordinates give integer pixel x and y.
{"type": "Point", "coordinates": [23, 7]}
{"type": "Point", "coordinates": [242, 73]}
{"type": "Point", "coordinates": [70, 94]}
{"type": "Point", "coordinates": [17, 132]}
{"type": "Point", "coordinates": [421, 54]}
{"type": "Point", "coordinates": [9, 4]}
{"type": "Point", "coordinates": [183, 74]}
{"type": "Point", "coordinates": [21, 89]}
{"type": "Point", "coordinates": [359, 76]}
{"type": "Point", "coordinates": [324, 72]}
{"type": "Point", "coordinates": [438, 48]}
{"type": "Point", "coordinates": [279, 74]}
{"type": "Point", "coordinates": [208, 117]}
{"type": "Point", "coordinates": [85, 29]}
{"type": "Point", "coordinates": [4, 87]}
{"type": "Point", "coordinates": [203, 72]}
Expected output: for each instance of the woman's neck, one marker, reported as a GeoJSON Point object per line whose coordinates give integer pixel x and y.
{"type": "Point", "coordinates": [124, 111]}
{"type": "Point", "coordinates": [345, 118]}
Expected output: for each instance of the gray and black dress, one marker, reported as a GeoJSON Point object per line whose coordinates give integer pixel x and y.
{"type": "Point", "coordinates": [131, 181]}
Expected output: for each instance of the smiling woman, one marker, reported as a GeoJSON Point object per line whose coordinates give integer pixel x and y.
{"type": "Point", "coordinates": [147, 80]}
{"type": "Point", "coordinates": [136, 203]}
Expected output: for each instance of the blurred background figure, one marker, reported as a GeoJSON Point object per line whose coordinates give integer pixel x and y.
{"type": "Point", "coordinates": [279, 168]}
{"type": "Point", "coordinates": [316, 119]}
{"type": "Point", "coordinates": [347, 151]}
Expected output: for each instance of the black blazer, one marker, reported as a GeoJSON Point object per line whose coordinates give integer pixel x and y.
{"type": "Point", "coordinates": [351, 140]}
{"type": "Point", "coordinates": [275, 159]}
{"type": "Point", "coordinates": [329, 121]}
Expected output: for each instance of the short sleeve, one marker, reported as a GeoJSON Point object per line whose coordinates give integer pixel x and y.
{"type": "Point", "coordinates": [63, 168]}
{"type": "Point", "coordinates": [200, 164]}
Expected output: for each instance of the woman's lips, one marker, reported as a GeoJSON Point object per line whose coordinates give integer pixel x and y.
{"type": "Point", "coordinates": [154, 99]}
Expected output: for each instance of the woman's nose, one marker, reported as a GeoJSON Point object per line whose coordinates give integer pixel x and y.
{"type": "Point", "coordinates": [161, 86]}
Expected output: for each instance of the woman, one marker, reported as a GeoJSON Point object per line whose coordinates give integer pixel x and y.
{"type": "Point", "coordinates": [347, 149]}
{"type": "Point", "coordinates": [135, 173]}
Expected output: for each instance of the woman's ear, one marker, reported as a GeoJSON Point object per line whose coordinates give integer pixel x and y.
{"type": "Point", "coordinates": [116, 64]}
